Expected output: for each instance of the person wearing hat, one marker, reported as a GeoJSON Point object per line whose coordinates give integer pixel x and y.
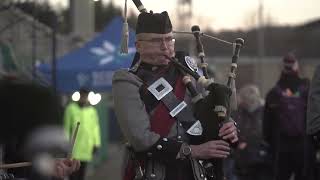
{"type": "Point", "coordinates": [284, 122]}
{"type": "Point", "coordinates": [158, 144]}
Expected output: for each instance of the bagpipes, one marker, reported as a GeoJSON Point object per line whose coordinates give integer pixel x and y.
{"type": "Point", "coordinates": [212, 110]}
{"type": "Point", "coordinates": [218, 98]}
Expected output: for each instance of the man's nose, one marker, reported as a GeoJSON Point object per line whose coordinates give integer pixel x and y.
{"type": "Point", "coordinates": [163, 44]}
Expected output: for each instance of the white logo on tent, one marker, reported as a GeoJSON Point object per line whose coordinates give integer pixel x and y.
{"type": "Point", "coordinates": [107, 52]}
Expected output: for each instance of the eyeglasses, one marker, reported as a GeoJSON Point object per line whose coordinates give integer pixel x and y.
{"type": "Point", "coordinates": [167, 40]}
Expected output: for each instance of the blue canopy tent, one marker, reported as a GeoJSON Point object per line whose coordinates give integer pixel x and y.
{"type": "Point", "coordinates": [93, 64]}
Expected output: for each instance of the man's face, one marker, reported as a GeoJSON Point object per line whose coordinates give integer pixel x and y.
{"type": "Point", "coordinates": [294, 68]}
{"type": "Point", "coordinates": [83, 99]}
{"type": "Point", "coordinates": [155, 48]}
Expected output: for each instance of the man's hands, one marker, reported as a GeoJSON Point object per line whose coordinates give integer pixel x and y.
{"type": "Point", "coordinates": [217, 148]}
{"type": "Point", "coordinates": [242, 145]}
{"type": "Point", "coordinates": [229, 132]}
{"type": "Point", "coordinates": [65, 167]}
{"type": "Point", "coordinates": [211, 149]}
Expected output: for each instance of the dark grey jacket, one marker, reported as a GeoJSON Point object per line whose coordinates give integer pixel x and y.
{"type": "Point", "coordinates": [134, 122]}
{"type": "Point", "coordinates": [313, 111]}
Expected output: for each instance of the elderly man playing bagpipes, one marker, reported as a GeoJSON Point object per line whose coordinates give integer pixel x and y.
{"type": "Point", "coordinates": [158, 110]}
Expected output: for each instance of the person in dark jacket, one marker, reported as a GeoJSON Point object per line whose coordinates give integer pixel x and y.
{"type": "Point", "coordinates": [284, 121]}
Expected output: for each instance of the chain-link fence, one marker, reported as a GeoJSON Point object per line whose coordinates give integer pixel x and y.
{"type": "Point", "coordinates": [29, 41]}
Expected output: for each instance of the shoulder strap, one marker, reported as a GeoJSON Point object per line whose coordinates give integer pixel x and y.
{"type": "Point", "coordinates": [161, 120]}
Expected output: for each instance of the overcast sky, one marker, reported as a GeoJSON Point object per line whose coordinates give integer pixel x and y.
{"type": "Point", "coordinates": [233, 14]}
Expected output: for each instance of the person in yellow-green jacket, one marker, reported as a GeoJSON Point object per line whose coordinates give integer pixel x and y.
{"type": "Point", "coordinates": [88, 138]}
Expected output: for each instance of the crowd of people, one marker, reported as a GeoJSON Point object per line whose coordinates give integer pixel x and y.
{"type": "Point", "coordinates": [274, 143]}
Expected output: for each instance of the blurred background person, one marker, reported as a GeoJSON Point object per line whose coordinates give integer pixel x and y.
{"type": "Point", "coordinates": [88, 139]}
{"type": "Point", "coordinates": [251, 154]}
{"type": "Point", "coordinates": [313, 120]}
{"type": "Point", "coordinates": [284, 121]}
{"type": "Point", "coordinates": [27, 109]}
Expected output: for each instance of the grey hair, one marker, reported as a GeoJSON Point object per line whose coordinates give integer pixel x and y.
{"type": "Point", "coordinates": [250, 94]}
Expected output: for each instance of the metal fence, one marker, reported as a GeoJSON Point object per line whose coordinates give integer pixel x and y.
{"type": "Point", "coordinates": [29, 40]}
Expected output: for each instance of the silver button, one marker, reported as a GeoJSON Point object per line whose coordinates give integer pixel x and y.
{"type": "Point", "coordinates": [201, 175]}
{"type": "Point", "coordinates": [165, 139]}
{"type": "Point", "coordinates": [179, 137]}
{"type": "Point", "coordinates": [154, 68]}
{"type": "Point", "coordinates": [152, 175]}
{"type": "Point", "coordinates": [149, 154]}
{"type": "Point", "coordinates": [159, 147]}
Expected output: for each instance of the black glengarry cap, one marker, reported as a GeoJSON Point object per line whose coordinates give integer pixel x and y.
{"type": "Point", "coordinates": [158, 23]}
